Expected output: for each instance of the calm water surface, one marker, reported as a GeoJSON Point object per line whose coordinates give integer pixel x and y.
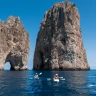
{"type": "Point", "coordinates": [22, 83]}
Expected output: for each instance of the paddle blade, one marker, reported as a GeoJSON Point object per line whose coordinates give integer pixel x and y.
{"type": "Point", "coordinates": [40, 73]}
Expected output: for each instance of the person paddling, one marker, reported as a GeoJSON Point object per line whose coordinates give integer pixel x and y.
{"type": "Point", "coordinates": [36, 76]}
{"type": "Point", "coordinates": [56, 76]}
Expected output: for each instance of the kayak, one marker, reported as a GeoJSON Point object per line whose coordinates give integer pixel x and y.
{"type": "Point", "coordinates": [56, 80]}
{"type": "Point", "coordinates": [36, 77]}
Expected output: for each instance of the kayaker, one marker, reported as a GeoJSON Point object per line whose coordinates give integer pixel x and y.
{"type": "Point", "coordinates": [56, 76]}
{"type": "Point", "coordinates": [36, 76]}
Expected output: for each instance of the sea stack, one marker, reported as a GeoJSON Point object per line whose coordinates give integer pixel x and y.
{"type": "Point", "coordinates": [14, 44]}
{"type": "Point", "coordinates": [59, 44]}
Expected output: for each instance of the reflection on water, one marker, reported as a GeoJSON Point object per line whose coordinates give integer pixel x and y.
{"type": "Point", "coordinates": [22, 83]}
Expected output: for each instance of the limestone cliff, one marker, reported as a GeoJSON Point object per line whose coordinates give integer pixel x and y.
{"type": "Point", "coordinates": [14, 44]}
{"type": "Point", "coordinates": [59, 43]}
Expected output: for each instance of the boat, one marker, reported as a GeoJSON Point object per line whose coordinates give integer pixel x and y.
{"type": "Point", "coordinates": [36, 77]}
{"type": "Point", "coordinates": [56, 80]}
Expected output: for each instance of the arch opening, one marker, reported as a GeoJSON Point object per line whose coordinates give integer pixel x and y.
{"type": "Point", "coordinates": [7, 66]}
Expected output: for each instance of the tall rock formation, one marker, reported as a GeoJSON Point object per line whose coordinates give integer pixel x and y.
{"type": "Point", "coordinates": [59, 43]}
{"type": "Point", "coordinates": [14, 44]}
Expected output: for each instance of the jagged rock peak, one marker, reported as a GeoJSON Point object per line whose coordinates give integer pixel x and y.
{"type": "Point", "coordinates": [12, 20]}
{"type": "Point", "coordinates": [14, 44]}
{"type": "Point", "coordinates": [59, 43]}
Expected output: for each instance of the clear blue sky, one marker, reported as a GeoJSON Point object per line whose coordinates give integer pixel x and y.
{"type": "Point", "coordinates": [32, 12]}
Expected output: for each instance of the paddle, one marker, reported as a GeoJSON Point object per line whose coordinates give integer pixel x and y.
{"type": "Point", "coordinates": [40, 73]}
{"type": "Point", "coordinates": [60, 77]}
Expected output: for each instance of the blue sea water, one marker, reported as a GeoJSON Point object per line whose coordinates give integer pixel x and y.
{"type": "Point", "coordinates": [22, 83]}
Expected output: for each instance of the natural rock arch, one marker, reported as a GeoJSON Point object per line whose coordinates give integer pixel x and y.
{"type": "Point", "coordinates": [14, 60]}
{"type": "Point", "coordinates": [14, 44]}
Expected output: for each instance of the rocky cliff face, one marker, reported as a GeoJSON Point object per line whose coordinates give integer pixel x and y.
{"type": "Point", "coordinates": [14, 44]}
{"type": "Point", "coordinates": [59, 43]}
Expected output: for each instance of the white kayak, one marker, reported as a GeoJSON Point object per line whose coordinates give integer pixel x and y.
{"type": "Point", "coordinates": [56, 80]}
{"type": "Point", "coordinates": [36, 77]}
